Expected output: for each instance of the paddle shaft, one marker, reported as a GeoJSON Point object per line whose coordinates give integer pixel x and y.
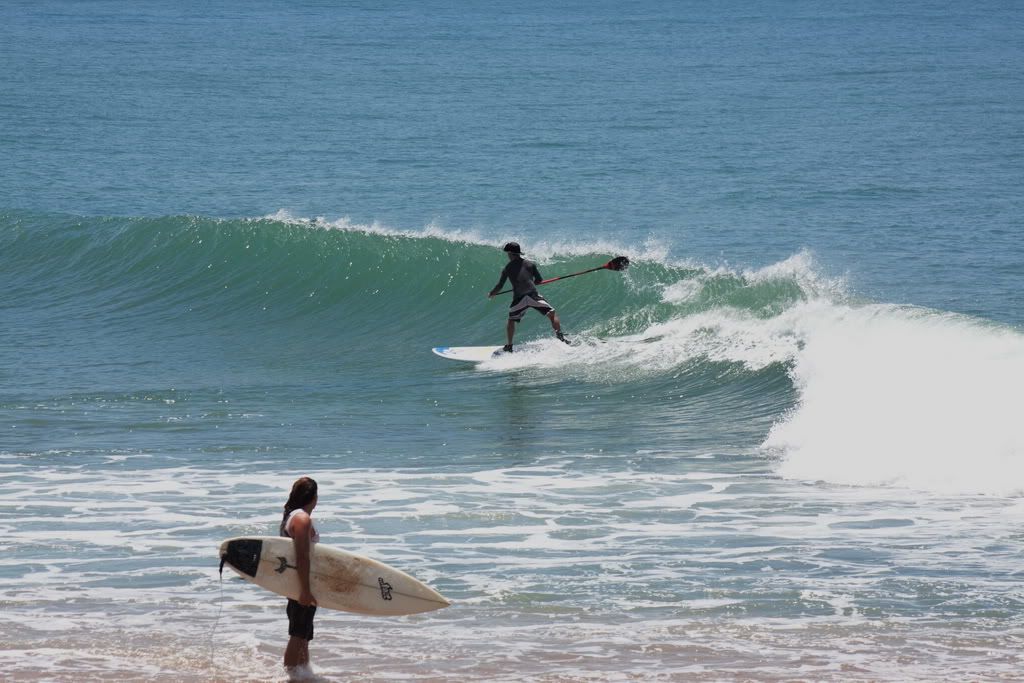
{"type": "Point", "coordinates": [561, 277]}
{"type": "Point", "coordinates": [617, 263]}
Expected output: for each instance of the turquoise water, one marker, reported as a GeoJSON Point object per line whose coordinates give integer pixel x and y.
{"type": "Point", "coordinates": [786, 446]}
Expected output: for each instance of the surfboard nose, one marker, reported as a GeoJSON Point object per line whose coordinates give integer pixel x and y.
{"type": "Point", "coordinates": [445, 602]}
{"type": "Point", "coordinates": [242, 553]}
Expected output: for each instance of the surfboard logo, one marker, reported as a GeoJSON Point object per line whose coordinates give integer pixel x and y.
{"type": "Point", "coordinates": [284, 565]}
{"type": "Point", "coordinates": [385, 588]}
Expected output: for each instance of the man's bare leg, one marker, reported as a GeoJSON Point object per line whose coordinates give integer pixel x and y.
{"type": "Point", "coordinates": [556, 324]}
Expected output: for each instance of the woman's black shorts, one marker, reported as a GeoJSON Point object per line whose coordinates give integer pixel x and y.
{"type": "Point", "coordinates": [300, 620]}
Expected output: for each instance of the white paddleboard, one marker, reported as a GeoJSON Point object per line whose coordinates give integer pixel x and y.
{"type": "Point", "coordinates": [471, 354]}
{"type": "Point", "coordinates": [338, 579]}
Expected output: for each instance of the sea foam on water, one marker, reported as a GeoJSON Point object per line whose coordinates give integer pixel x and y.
{"type": "Point", "coordinates": [906, 397]}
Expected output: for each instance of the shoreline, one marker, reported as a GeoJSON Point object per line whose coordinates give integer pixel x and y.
{"type": "Point", "coordinates": [541, 649]}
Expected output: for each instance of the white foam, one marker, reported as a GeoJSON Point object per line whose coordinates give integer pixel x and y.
{"type": "Point", "coordinates": [541, 250]}
{"type": "Point", "coordinates": [802, 269]}
{"type": "Point", "coordinates": [906, 397]}
{"type": "Point", "coordinates": [720, 335]}
{"type": "Point", "coordinates": [681, 292]}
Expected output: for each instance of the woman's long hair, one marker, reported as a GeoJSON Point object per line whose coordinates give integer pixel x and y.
{"type": "Point", "coordinates": [303, 493]}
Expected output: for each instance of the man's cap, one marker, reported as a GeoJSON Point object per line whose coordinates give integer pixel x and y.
{"type": "Point", "coordinates": [512, 247]}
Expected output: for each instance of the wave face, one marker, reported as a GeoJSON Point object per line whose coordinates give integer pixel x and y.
{"type": "Point", "coordinates": [783, 359]}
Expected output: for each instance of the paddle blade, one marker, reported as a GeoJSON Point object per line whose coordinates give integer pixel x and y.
{"type": "Point", "coordinates": [617, 263]}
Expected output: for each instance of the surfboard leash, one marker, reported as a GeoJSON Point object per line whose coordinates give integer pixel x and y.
{"type": "Point", "coordinates": [216, 620]}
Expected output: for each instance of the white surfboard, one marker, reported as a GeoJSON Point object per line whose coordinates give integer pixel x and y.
{"type": "Point", "coordinates": [338, 579]}
{"type": "Point", "coordinates": [471, 354]}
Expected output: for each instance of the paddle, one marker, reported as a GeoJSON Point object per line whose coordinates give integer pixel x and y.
{"type": "Point", "coordinates": [617, 263]}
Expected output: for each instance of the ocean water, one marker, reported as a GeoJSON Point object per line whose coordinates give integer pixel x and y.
{"type": "Point", "coordinates": [788, 444]}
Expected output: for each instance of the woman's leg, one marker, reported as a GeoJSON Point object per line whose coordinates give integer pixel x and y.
{"type": "Point", "coordinates": [296, 653]}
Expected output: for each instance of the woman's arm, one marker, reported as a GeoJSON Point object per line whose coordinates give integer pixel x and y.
{"type": "Point", "coordinates": [302, 532]}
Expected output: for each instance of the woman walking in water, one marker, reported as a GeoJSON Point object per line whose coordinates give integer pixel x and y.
{"type": "Point", "coordinates": [297, 525]}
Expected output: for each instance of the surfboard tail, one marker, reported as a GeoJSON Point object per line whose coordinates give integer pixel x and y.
{"type": "Point", "coordinates": [243, 554]}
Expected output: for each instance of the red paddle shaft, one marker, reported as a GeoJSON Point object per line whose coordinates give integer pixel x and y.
{"type": "Point", "coordinates": [617, 263]}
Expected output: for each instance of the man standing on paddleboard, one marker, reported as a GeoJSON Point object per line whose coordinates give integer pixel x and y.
{"type": "Point", "coordinates": [524, 277]}
{"type": "Point", "coordinates": [297, 525]}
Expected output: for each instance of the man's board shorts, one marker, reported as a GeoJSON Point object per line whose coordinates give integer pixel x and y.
{"type": "Point", "coordinates": [535, 301]}
{"type": "Point", "coordinates": [300, 619]}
